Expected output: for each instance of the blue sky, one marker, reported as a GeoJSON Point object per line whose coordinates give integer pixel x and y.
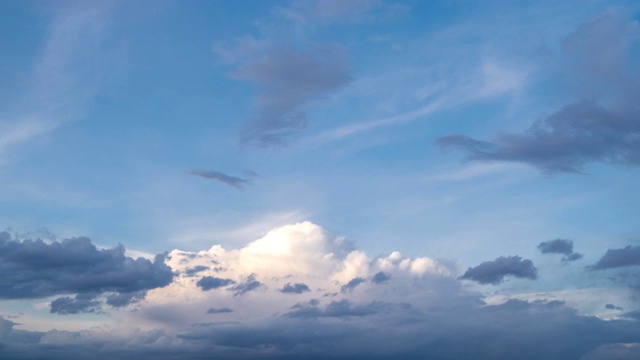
{"type": "Point", "coordinates": [340, 167]}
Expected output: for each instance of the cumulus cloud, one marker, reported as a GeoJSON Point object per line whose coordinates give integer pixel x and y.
{"type": "Point", "coordinates": [415, 309]}
{"type": "Point", "coordinates": [560, 246]}
{"type": "Point", "coordinates": [494, 272]}
{"type": "Point", "coordinates": [288, 80]}
{"type": "Point", "coordinates": [297, 288]}
{"type": "Point", "coordinates": [616, 258]}
{"type": "Point", "coordinates": [232, 181]}
{"type": "Point", "coordinates": [35, 269]}
{"type": "Point", "coordinates": [602, 126]}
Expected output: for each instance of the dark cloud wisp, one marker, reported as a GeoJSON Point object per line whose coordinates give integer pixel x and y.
{"type": "Point", "coordinates": [616, 258]}
{"type": "Point", "coordinates": [288, 80]}
{"type": "Point", "coordinates": [210, 282]}
{"type": "Point", "coordinates": [560, 246]}
{"type": "Point", "coordinates": [494, 272]}
{"type": "Point", "coordinates": [603, 123]}
{"type": "Point", "coordinates": [232, 181]}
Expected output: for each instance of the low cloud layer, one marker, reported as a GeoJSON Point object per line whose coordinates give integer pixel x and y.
{"type": "Point", "coordinates": [494, 272]}
{"type": "Point", "coordinates": [36, 269]}
{"type": "Point", "coordinates": [282, 296]}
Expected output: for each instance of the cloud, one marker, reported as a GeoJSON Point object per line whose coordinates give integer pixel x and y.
{"type": "Point", "coordinates": [424, 312]}
{"type": "Point", "coordinates": [380, 277]}
{"type": "Point", "coordinates": [82, 303]}
{"type": "Point", "coordinates": [210, 282]}
{"type": "Point", "coordinates": [560, 246]}
{"type": "Point", "coordinates": [602, 126]}
{"type": "Point", "coordinates": [289, 80]}
{"type": "Point", "coordinates": [64, 78]}
{"type": "Point", "coordinates": [297, 288]}
{"type": "Point", "coordinates": [35, 269]}
{"type": "Point", "coordinates": [613, 307]}
{"type": "Point", "coordinates": [219, 310]}
{"type": "Point", "coordinates": [249, 284]}
{"type": "Point", "coordinates": [493, 272]}
{"type": "Point", "coordinates": [348, 287]}
{"type": "Point", "coordinates": [616, 258]}
{"type": "Point", "coordinates": [232, 181]}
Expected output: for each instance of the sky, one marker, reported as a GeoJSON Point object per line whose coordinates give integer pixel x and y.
{"type": "Point", "coordinates": [319, 179]}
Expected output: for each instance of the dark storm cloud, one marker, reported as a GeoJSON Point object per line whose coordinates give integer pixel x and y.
{"type": "Point", "coordinates": [249, 284]}
{"type": "Point", "coordinates": [604, 126]}
{"type": "Point", "coordinates": [380, 277]}
{"type": "Point", "coordinates": [35, 269]}
{"type": "Point", "coordinates": [560, 246]}
{"type": "Point", "coordinates": [493, 272]}
{"type": "Point", "coordinates": [232, 181]}
{"type": "Point", "coordinates": [348, 287]}
{"type": "Point", "coordinates": [219, 311]}
{"type": "Point", "coordinates": [616, 258]}
{"type": "Point", "coordinates": [288, 80]}
{"type": "Point", "coordinates": [210, 282]}
{"type": "Point", "coordinates": [82, 303]}
{"type": "Point", "coordinates": [297, 288]}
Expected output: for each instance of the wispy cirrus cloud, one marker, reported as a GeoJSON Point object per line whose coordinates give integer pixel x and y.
{"type": "Point", "coordinates": [64, 78]}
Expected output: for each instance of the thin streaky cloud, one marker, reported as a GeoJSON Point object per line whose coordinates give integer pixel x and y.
{"type": "Point", "coordinates": [232, 181]}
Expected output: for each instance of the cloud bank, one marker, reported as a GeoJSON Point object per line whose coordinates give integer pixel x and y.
{"type": "Point", "coordinates": [300, 292]}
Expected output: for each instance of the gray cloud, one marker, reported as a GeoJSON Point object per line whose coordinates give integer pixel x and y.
{"type": "Point", "coordinates": [82, 303]}
{"type": "Point", "coordinates": [210, 282]}
{"type": "Point", "coordinates": [604, 126]}
{"type": "Point", "coordinates": [616, 258]}
{"type": "Point", "coordinates": [493, 272]}
{"type": "Point", "coordinates": [560, 246]}
{"type": "Point", "coordinates": [297, 288]}
{"type": "Point", "coordinates": [380, 277]}
{"type": "Point", "coordinates": [557, 246]}
{"type": "Point", "coordinates": [219, 310]}
{"type": "Point", "coordinates": [123, 299]}
{"type": "Point", "coordinates": [289, 80]}
{"type": "Point", "coordinates": [348, 287]}
{"type": "Point", "coordinates": [232, 181]}
{"type": "Point", "coordinates": [35, 269]}
{"type": "Point", "coordinates": [341, 309]}
{"type": "Point", "coordinates": [196, 269]}
{"type": "Point", "coordinates": [513, 330]}
{"type": "Point", "coordinates": [249, 284]}
{"type": "Point", "coordinates": [613, 307]}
